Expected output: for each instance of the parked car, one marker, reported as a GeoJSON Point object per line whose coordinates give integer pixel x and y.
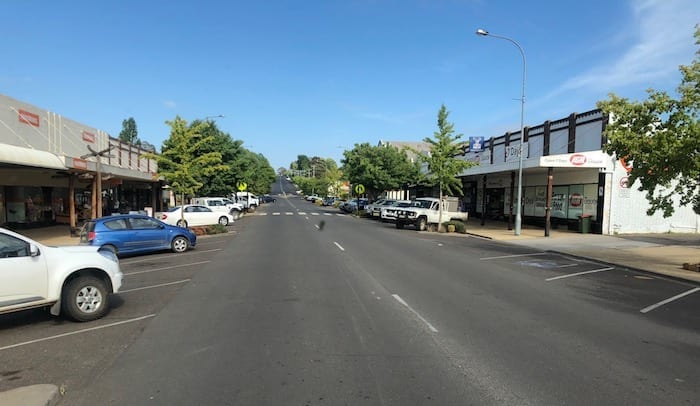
{"type": "Point", "coordinates": [329, 201]}
{"type": "Point", "coordinates": [75, 281]}
{"type": "Point", "coordinates": [388, 213]}
{"type": "Point", "coordinates": [135, 234]}
{"type": "Point", "coordinates": [221, 204]}
{"type": "Point", "coordinates": [267, 199]}
{"type": "Point", "coordinates": [354, 205]}
{"type": "Point", "coordinates": [372, 205]}
{"type": "Point", "coordinates": [312, 198]}
{"type": "Point", "coordinates": [194, 215]}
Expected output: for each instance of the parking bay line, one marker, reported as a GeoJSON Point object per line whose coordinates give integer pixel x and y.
{"type": "Point", "coordinates": [579, 273]}
{"type": "Point", "coordinates": [167, 268]}
{"type": "Point", "coordinates": [339, 246]}
{"type": "Point", "coordinates": [87, 330]}
{"type": "Point", "coordinates": [155, 286]}
{"type": "Point", "coordinates": [669, 300]}
{"type": "Point", "coordinates": [180, 255]}
{"type": "Point", "coordinates": [513, 256]}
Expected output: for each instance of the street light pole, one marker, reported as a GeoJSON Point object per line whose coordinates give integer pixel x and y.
{"type": "Point", "coordinates": [518, 215]}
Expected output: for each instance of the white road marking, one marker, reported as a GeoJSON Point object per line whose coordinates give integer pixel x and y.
{"type": "Point", "coordinates": [430, 326]}
{"type": "Point", "coordinates": [302, 213]}
{"type": "Point", "coordinates": [38, 340]}
{"type": "Point", "coordinates": [327, 214]}
{"type": "Point", "coordinates": [339, 246]}
{"type": "Point", "coordinates": [513, 256]}
{"type": "Point", "coordinates": [127, 262]}
{"type": "Point", "coordinates": [579, 273]}
{"type": "Point", "coordinates": [316, 225]}
{"type": "Point", "coordinates": [669, 300]}
{"type": "Point", "coordinates": [276, 213]}
{"type": "Point", "coordinates": [567, 265]}
{"type": "Point", "coordinates": [166, 268]}
{"type": "Point", "coordinates": [155, 286]}
{"type": "Point", "coordinates": [262, 214]}
{"type": "Point", "coordinates": [314, 214]}
{"type": "Point", "coordinates": [289, 213]}
{"type": "Point", "coordinates": [340, 214]}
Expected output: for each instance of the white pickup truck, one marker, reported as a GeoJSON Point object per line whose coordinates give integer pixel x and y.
{"type": "Point", "coordinates": [76, 281]}
{"type": "Point", "coordinates": [221, 204]}
{"type": "Point", "coordinates": [424, 213]}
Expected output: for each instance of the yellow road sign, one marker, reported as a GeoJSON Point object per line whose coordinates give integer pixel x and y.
{"type": "Point", "coordinates": [242, 186]}
{"type": "Point", "coordinates": [360, 189]}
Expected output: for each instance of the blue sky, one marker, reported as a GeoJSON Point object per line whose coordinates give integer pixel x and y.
{"type": "Point", "coordinates": [315, 77]}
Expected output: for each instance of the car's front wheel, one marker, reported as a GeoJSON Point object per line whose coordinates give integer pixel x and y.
{"type": "Point", "coordinates": [235, 213]}
{"type": "Point", "coordinates": [85, 298]}
{"type": "Point", "coordinates": [223, 220]}
{"type": "Point", "coordinates": [180, 244]}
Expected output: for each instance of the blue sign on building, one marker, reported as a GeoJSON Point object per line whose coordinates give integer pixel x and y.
{"type": "Point", "coordinates": [476, 144]}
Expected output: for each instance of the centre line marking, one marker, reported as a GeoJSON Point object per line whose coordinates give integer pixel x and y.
{"type": "Point", "coordinates": [578, 274]}
{"type": "Point", "coordinates": [669, 300]}
{"type": "Point", "coordinates": [430, 326]}
{"type": "Point", "coordinates": [167, 268]}
{"type": "Point", "coordinates": [339, 246]}
{"type": "Point", "coordinates": [514, 256]}
{"type": "Point", "coordinates": [38, 340]}
{"type": "Point", "coordinates": [276, 213]}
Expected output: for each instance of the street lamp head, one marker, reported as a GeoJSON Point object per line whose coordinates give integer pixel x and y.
{"type": "Point", "coordinates": [482, 32]}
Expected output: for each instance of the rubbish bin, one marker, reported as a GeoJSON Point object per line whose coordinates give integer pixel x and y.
{"type": "Point", "coordinates": [584, 224]}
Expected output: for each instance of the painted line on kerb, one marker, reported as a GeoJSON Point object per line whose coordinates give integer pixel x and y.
{"type": "Point", "coordinates": [155, 286]}
{"type": "Point", "coordinates": [339, 246]}
{"type": "Point", "coordinates": [579, 273]}
{"type": "Point", "coordinates": [167, 268]}
{"type": "Point", "coordinates": [430, 326]}
{"type": "Point", "coordinates": [567, 265]}
{"type": "Point", "coordinates": [669, 300]}
{"type": "Point", "coordinates": [513, 256]}
{"type": "Point", "coordinates": [87, 330]}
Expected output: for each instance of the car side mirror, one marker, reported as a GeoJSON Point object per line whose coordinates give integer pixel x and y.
{"type": "Point", "coordinates": [33, 250]}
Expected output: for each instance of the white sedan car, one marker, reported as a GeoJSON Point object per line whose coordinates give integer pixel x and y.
{"type": "Point", "coordinates": [195, 215]}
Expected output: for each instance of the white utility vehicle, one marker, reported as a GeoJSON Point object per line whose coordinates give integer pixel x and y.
{"type": "Point", "coordinates": [221, 204]}
{"type": "Point", "coordinates": [424, 213]}
{"type": "Point", "coordinates": [75, 281]}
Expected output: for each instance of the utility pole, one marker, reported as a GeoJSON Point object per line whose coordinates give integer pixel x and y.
{"type": "Point", "coordinates": [97, 207]}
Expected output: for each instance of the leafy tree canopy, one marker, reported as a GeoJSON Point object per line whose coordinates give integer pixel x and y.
{"type": "Point", "coordinates": [129, 133]}
{"type": "Point", "coordinates": [379, 168]}
{"type": "Point", "coordinates": [443, 162]}
{"type": "Point", "coordinates": [660, 138]}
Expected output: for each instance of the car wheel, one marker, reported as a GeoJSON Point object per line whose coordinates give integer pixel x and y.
{"type": "Point", "coordinates": [422, 224]}
{"type": "Point", "coordinates": [236, 214]}
{"type": "Point", "coordinates": [181, 223]}
{"type": "Point", "coordinates": [180, 244]}
{"type": "Point", "coordinates": [85, 298]}
{"type": "Point", "coordinates": [223, 220]}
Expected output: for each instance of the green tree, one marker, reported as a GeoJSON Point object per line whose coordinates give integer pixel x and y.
{"type": "Point", "coordinates": [379, 168]}
{"type": "Point", "coordinates": [443, 162]}
{"type": "Point", "coordinates": [129, 133]}
{"type": "Point", "coordinates": [660, 137]}
{"type": "Point", "coordinates": [181, 162]}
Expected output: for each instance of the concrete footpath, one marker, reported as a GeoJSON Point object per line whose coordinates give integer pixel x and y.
{"type": "Point", "coordinates": [659, 254]}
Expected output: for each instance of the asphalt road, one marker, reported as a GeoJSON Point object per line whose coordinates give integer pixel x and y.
{"type": "Point", "coordinates": [286, 311]}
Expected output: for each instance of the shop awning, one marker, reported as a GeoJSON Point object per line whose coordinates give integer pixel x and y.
{"type": "Point", "coordinates": [10, 154]}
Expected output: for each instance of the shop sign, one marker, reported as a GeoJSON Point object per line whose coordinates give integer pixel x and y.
{"type": "Point", "coordinates": [80, 163]}
{"type": "Point", "coordinates": [29, 118]}
{"type": "Point", "coordinates": [590, 159]}
{"type": "Point", "coordinates": [575, 200]}
{"type": "Point", "coordinates": [88, 137]}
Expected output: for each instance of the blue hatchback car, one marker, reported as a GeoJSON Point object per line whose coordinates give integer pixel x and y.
{"type": "Point", "coordinates": [136, 234]}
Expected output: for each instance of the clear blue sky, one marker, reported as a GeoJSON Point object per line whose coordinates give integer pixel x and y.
{"type": "Point", "coordinates": [315, 77]}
